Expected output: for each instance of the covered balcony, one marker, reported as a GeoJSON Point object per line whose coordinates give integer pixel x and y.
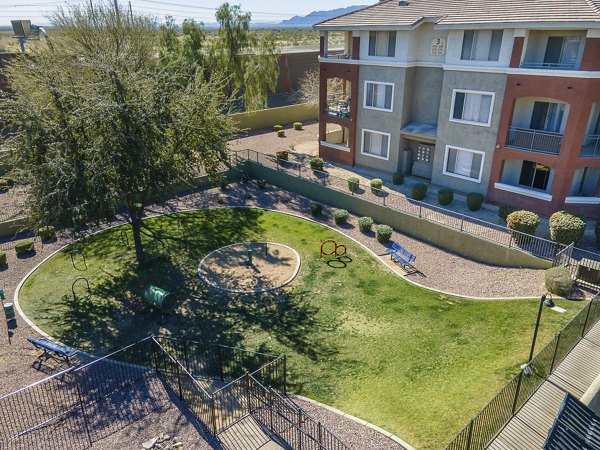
{"type": "Point", "coordinates": [585, 187]}
{"type": "Point", "coordinates": [337, 44]}
{"type": "Point", "coordinates": [338, 98]}
{"type": "Point", "coordinates": [558, 50]}
{"type": "Point", "coordinates": [336, 137]}
{"type": "Point", "coordinates": [537, 125]}
{"type": "Point", "coordinates": [526, 178]}
{"type": "Point", "coordinates": [590, 148]}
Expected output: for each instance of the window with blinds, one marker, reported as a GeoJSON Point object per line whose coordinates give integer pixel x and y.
{"type": "Point", "coordinates": [472, 107]}
{"type": "Point", "coordinates": [382, 43]}
{"type": "Point", "coordinates": [463, 163]}
{"type": "Point", "coordinates": [376, 144]}
{"type": "Point", "coordinates": [378, 95]}
{"type": "Point", "coordinates": [481, 45]}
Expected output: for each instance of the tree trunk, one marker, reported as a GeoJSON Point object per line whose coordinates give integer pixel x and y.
{"type": "Point", "coordinates": [137, 236]}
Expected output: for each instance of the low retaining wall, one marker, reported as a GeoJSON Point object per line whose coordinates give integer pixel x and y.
{"type": "Point", "coordinates": [267, 118]}
{"type": "Point", "coordinates": [12, 227]}
{"type": "Point", "coordinates": [439, 235]}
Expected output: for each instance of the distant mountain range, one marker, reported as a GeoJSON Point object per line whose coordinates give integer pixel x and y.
{"type": "Point", "coordinates": [316, 17]}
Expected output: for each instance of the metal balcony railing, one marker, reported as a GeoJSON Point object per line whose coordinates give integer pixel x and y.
{"type": "Point", "coordinates": [338, 109]}
{"type": "Point", "coordinates": [591, 146]}
{"type": "Point", "coordinates": [548, 66]}
{"type": "Point", "coordinates": [534, 140]}
{"type": "Point", "coordinates": [338, 55]}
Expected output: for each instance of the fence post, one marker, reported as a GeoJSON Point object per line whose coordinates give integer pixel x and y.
{"type": "Point", "coordinates": [299, 429]}
{"type": "Point", "coordinates": [420, 208]}
{"type": "Point", "coordinates": [221, 371]}
{"type": "Point", "coordinates": [179, 381]}
{"type": "Point", "coordinates": [514, 407]}
{"type": "Point", "coordinates": [277, 163]}
{"type": "Point", "coordinates": [284, 374]}
{"type": "Point", "coordinates": [81, 404]}
{"type": "Point", "coordinates": [462, 221]}
{"type": "Point", "coordinates": [299, 170]}
{"type": "Point", "coordinates": [470, 435]}
{"type": "Point", "coordinates": [248, 158]}
{"type": "Point", "coordinates": [558, 335]}
{"type": "Point", "coordinates": [320, 433]}
{"type": "Point", "coordinates": [383, 200]}
{"type": "Point", "coordinates": [510, 240]}
{"type": "Point", "coordinates": [587, 316]}
{"type": "Point", "coordinates": [214, 415]}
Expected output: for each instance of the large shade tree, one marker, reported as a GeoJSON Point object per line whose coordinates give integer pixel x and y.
{"type": "Point", "coordinates": [100, 122]}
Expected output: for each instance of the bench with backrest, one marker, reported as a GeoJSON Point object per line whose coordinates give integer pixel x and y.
{"type": "Point", "coordinates": [54, 350]}
{"type": "Point", "coordinates": [401, 255]}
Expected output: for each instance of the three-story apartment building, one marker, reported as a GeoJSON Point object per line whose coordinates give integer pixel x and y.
{"type": "Point", "coordinates": [496, 97]}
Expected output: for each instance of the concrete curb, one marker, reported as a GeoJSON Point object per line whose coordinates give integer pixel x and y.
{"type": "Point", "coordinates": [380, 430]}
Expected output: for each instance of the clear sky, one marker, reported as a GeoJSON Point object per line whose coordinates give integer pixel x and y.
{"type": "Point", "coordinates": [201, 10]}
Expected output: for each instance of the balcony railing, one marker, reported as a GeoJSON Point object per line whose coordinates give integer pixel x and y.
{"type": "Point", "coordinates": [338, 109]}
{"type": "Point", "coordinates": [591, 146]}
{"type": "Point", "coordinates": [534, 140]}
{"type": "Point", "coordinates": [548, 66]}
{"type": "Point", "coordinates": [338, 55]}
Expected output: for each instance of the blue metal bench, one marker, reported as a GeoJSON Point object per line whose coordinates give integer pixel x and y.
{"type": "Point", "coordinates": [54, 350]}
{"type": "Point", "coordinates": [401, 255]}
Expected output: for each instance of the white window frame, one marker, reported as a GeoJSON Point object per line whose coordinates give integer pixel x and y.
{"type": "Point", "coordinates": [462, 177]}
{"type": "Point", "coordinates": [365, 106]}
{"type": "Point", "coordinates": [470, 122]}
{"type": "Point", "coordinates": [362, 144]}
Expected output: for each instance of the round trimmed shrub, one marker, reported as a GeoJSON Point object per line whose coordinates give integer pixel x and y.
{"type": "Point", "coordinates": [523, 221]}
{"type": "Point", "coordinates": [2, 258]}
{"type": "Point", "coordinates": [340, 216]}
{"type": "Point", "coordinates": [281, 133]}
{"type": "Point", "coordinates": [317, 164]}
{"type": "Point", "coordinates": [297, 126]}
{"type": "Point", "coordinates": [419, 191]}
{"type": "Point", "coordinates": [566, 227]}
{"type": "Point", "coordinates": [474, 201]}
{"type": "Point", "coordinates": [48, 232]}
{"type": "Point", "coordinates": [383, 233]}
{"type": "Point", "coordinates": [316, 209]}
{"type": "Point", "coordinates": [261, 183]}
{"type": "Point", "coordinates": [3, 184]}
{"type": "Point", "coordinates": [445, 196]}
{"type": "Point", "coordinates": [558, 281]}
{"type": "Point", "coordinates": [376, 185]}
{"type": "Point", "coordinates": [353, 184]}
{"type": "Point", "coordinates": [504, 211]}
{"type": "Point", "coordinates": [398, 178]}
{"type": "Point", "coordinates": [278, 127]}
{"type": "Point", "coordinates": [365, 224]}
{"type": "Point", "coordinates": [283, 155]}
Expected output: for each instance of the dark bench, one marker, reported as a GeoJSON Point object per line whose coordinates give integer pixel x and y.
{"type": "Point", "coordinates": [54, 350]}
{"type": "Point", "coordinates": [401, 255]}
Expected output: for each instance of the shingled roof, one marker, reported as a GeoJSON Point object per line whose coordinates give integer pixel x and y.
{"type": "Point", "coordinates": [408, 14]}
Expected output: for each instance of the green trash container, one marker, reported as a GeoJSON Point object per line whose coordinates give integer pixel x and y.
{"type": "Point", "coordinates": [9, 311]}
{"type": "Point", "coordinates": [159, 298]}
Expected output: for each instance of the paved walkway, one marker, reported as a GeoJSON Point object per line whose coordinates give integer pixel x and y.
{"type": "Point", "coordinates": [529, 428]}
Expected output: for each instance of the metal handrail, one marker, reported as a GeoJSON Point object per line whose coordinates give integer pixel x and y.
{"type": "Point", "coordinates": [543, 65]}
{"type": "Point", "coordinates": [534, 140]}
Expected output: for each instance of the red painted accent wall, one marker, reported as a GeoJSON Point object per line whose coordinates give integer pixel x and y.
{"type": "Point", "coordinates": [322, 46]}
{"type": "Point", "coordinates": [591, 54]}
{"type": "Point", "coordinates": [356, 47]}
{"type": "Point", "coordinates": [580, 94]}
{"type": "Point", "coordinates": [517, 51]}
{"type": "Point", "coordinates": [347, 72]}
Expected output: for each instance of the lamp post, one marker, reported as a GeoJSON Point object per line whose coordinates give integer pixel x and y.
{"type": "Point", "coordinates": [545, 300]}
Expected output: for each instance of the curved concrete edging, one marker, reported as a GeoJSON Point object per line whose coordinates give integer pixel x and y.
{"type": "Point", "coordinates": [254, 291]}
{"type": "Point", "coordinates": [380, 430]}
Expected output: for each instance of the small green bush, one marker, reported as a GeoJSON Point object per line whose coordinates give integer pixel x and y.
{"type": "Point", "coordinates": [281, 133]}
{"type": "Point", "coordinates": [2, 258]}
{"type": "Point", "coordinates": [261, 183]}
{"type": "Point", "coordinates": [445, 196]}
{"type": "Point", "coordinates": [3, 184]}
{"type": "Point", "coordinates": [523, 221]}
{"type": "Point", "coordinates": [475, 201]}
{"type": "Point", "coordinates": [598, 233]}
{"type": "Point", "coordinates": [283, 155]}
{"type": "Point", "coordinates": [316, 209]}
{"type": "Point", "coordinates": [558, 281]}
{"type": "Point", "coordinates": [566, 227]}
{"type": "Point", "coordinates": [365, 224]}
{"type": "Point", "coordinates": [376, 185]}
{"type": "Point", "coordinates": [340, 216]}
{"type": "Point", "coordinates": [317, 164]}
{"type": "Point", "coordinates": [353, 184]}
{"type": "Point", "coordinates": [383, 233]}
{"type": "Point", "coordinates": [48, 232]}
{"type": "Point", "coordinates": [419, 191]}
{"type": "Point", "coordinates": [24, 246]}
{"type": "Point", "coordinates": [278, 128]}
{"type": "Point", "coordinates": [297, 126]}
{"type": "Point", "coordinates": [398, 178]}
{"type": "Point", "coordinates": [505, 210]}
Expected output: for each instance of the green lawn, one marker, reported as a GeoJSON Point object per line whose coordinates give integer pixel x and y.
{"type": "Point", "coordinates": [361, 339]}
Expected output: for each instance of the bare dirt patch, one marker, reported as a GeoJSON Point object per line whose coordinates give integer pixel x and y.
{"type": "Point", "coordinates": [273, 266]}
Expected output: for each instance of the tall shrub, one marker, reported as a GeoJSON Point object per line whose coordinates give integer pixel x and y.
{"type": "Point", "coordinates": [566, 227]}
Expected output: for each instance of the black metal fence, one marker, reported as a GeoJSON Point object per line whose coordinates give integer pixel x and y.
{"type": "Point", "coordinates": [583, 265]}
{"type": "Point", "coordinates": [220, 386]}
{"type": "Point", "coordinates": [486, 425]}
{"type": "Point", "coordinates": [498, 234]}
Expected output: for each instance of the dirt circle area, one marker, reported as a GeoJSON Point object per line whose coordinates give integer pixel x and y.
{"type": "Point", "coordinates": [273, 266]}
